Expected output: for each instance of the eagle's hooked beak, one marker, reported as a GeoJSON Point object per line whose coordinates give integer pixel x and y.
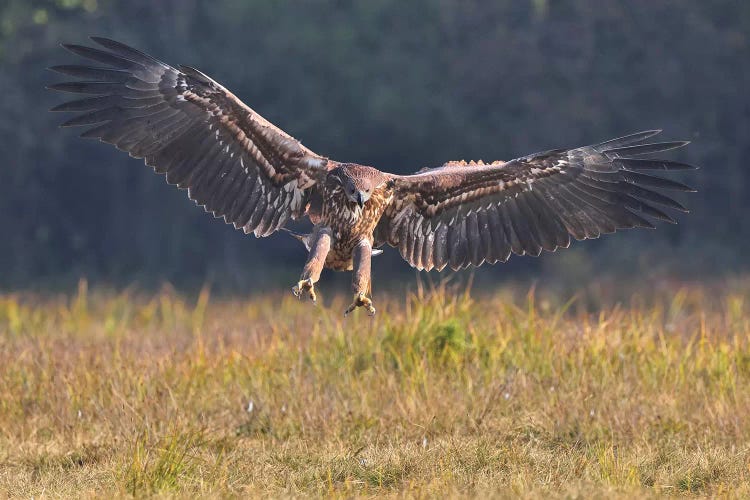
{"type": "Point", "coordinates": [360, 199]}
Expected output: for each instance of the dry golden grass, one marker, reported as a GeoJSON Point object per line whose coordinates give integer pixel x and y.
{"type": "Point", "coordinates": [441, 395]}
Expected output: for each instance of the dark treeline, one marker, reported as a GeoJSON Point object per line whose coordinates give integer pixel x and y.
{"type": "Point", "coordinates": [396, 84]}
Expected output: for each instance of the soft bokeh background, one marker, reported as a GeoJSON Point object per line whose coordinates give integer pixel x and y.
{"type": "Point", "coordinates": [399, 85]}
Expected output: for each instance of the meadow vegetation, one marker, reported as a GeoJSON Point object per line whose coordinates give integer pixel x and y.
{"type": "Point", "coordinates": [445, 393]}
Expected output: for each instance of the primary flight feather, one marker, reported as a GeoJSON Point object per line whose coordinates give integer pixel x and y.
{"type": "Point", "coordinates": [239, 166]}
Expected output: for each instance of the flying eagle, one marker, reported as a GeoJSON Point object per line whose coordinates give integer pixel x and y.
{"type": "Point", "coordinates": [240, 167]}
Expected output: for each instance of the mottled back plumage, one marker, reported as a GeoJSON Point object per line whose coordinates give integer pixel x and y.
{"type": "Point", "coordinates": [242, 168]}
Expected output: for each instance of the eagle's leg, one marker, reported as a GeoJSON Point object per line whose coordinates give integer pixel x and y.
{"type": "Point", "coordinates": [320, 244]}
{"type": "Point", "coordinates": [361, 278]}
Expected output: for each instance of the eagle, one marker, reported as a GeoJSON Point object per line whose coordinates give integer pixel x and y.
{"type": "Point", "coordinates": [240, 167]}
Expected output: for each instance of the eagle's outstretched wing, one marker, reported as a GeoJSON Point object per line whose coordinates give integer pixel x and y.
{"type": "Point", "coordinates": [465, 214]}
{"type": "Point", "coordinates": [231, 160]}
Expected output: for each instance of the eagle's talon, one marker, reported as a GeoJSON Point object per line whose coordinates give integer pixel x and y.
{"type": "Point", "coordinates": [305, 286]}
{"type": "Point", "coordinates": [361, 300]}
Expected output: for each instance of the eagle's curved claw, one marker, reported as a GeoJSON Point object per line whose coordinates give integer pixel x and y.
{"type": "Point", "coordinates": [361, 300]}
{"type": "Point", "coordinates": [305, 286]}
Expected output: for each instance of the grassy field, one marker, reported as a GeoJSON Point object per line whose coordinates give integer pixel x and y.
{"type": "Point", "coordinates": [445, 393]}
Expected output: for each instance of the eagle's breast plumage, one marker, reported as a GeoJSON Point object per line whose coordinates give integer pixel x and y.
{"type": "Point", "coordinates": [349, 223]}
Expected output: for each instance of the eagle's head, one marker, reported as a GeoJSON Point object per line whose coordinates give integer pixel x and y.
{"type": "Point", "coordinates": [357, 182]}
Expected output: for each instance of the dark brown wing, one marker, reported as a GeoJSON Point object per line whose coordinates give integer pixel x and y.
{"type": "Point", "coordinates": [231, 160]}
{"type": "Point", "coordinates": [465, 214]}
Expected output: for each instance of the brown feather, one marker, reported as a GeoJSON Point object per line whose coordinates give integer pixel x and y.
{"type": "Point", "coordinates": [529, 204]}
{"type": "Point", "coordinates": [192, 129]}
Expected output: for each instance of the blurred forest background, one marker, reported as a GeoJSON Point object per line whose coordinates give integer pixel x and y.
{"type": "Point", "coordinates": [394, 84]}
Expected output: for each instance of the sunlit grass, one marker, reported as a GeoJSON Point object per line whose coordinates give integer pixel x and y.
{"type": "Point", "coordinates": [445, 393]}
